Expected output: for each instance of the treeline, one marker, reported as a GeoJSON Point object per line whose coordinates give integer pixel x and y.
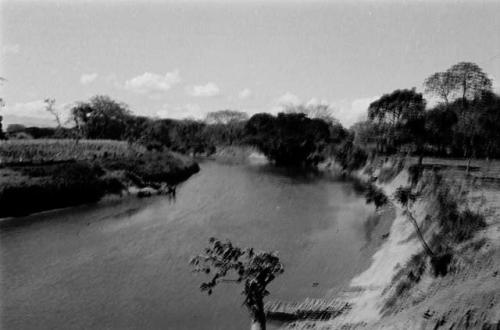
{"type": "Point", "coordinates": [293, 138]}
{"type": "Point", "coordinates": [465, 122]}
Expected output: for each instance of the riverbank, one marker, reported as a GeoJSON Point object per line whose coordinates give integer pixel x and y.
{"type": "Point", "coordinates": [238, 155]}
{"type": "Point", "coordinates": [400, 289]}
{"type": "Point", "coordinates": [39, 175]}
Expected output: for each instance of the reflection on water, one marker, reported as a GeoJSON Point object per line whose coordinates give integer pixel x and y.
{"type": "Point", "coordinates": [124, 265]}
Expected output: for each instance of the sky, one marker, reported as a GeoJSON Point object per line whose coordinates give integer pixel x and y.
{"type": "Point", "coordinates": [186, 58]}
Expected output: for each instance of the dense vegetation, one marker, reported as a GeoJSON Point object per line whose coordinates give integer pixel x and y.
{"type": "Point", "coordinates": [36, 188]}
{"type": "Point", "coordinates": [39, 175]}
{"type": "Point", "coordinates": [465, 122]}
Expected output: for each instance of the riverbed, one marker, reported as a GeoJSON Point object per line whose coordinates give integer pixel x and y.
{"type": "Point", "coordinates": [124, 264]}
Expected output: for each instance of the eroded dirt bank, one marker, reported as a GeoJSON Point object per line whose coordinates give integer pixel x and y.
{"type": "Point", "coordinates": [400, 290]}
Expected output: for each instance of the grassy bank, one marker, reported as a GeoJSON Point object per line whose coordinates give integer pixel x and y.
{"type": "Point", "coordinates": [38, 175]}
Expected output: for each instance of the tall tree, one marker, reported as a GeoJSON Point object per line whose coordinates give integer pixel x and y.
{"type": "Point", "coordinates": [101, 118]}
{"type": "Point", "coordinates": [469, 80]}
{"type": "Point", "coordinates": [399, 116]}
{"type": "Point", "coordinates": [289, 139]}
{"type": "Point", "coordinates": [465, 80]}
{"type": "Point", "coordinates": [225, 262]}
{"type": "Point", "coordinates": [440, 84]}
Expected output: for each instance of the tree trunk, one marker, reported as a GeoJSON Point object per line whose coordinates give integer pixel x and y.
{"type": "Point", "coordinates": [257, 325]}
{"type": "Point", "coordinates": [258, 317]}
{"type": "Point", "coordinates": [419, 233]}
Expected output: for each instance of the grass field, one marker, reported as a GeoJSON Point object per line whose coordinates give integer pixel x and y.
{"type": "Point", "coordinates": [43, 151]}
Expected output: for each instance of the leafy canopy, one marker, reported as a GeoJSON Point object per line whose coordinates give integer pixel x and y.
{"type": "Point", "coordinates": [225, 262]}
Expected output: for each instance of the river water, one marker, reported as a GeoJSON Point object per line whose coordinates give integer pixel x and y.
{"type": "Point", "coordinates": [124, 264]}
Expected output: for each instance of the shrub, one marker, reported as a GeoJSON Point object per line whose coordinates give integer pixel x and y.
{"type": "Point", "coordinates": [349, 156]}
{"type": "Point", "coordinates": [457, 226]}
{"type": "Point", "coordinates": [415, 173]}
{"type": "Point", "coordinates": [371, 193]}
{"type": "Point", "coordinates": [49, 187]}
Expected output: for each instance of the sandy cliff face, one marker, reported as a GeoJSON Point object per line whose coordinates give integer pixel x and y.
{"type": "Point", "coordinates": [468, 297]}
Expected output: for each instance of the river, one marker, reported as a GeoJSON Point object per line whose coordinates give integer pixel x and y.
{"type": "Point", "coordinates": [124, 264]}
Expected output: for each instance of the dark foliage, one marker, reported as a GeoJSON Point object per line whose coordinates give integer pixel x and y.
{"type": "Point", "coordinates": [457, 226]}
{"type": "Point", "coordinates": [54, 186]}
{"type": "Point", "coordinates": [415, 172]}
{"type": "Point", "coordinates": [290, 139]}
{"type": "Point", "coordinates": [371, 193]}
{"type": "Point", "coordinates": [349, 156]}
{"type": "Point", "coordinates": [440, 263]}
{"type": "Point", "coordinates": [101, 118]}
{"type": "Point", "coordinates": [224, 262]}
{"type": "Point", "coordinates": [151, 167]}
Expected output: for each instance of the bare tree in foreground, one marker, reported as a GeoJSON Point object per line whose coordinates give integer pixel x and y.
{"type": "Point", "coordinates": [255, 269]}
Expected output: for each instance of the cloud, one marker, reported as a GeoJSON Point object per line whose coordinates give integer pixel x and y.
{"type": "Point", "coordinates": [153, 83]}
{"type": "Point", "coordinates": [181, 111]}
{"type": "Point", "coordinates": [87, 78]}
{"type": "Point", "coordinates": [288, 99]}
{"type": "Point", "coordinates": [208, 90]}
{"type": "Point", "coordinates": [346, 111]}
{"type": "Point", "coordinates": [10, 49]}
{"type": "Point", "coordinates": [245, 93]}
{"type": "Point", "coordinates": [349, 112]}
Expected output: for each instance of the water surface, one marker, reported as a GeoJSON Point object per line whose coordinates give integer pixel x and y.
{"type": "Point", "coordinates": [124, 265]}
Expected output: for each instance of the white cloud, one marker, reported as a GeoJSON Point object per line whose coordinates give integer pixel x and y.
{"type": "Point", "coordinates": [346, 111]}
{"type": "Point", "coordinates": [87, 78]}
{"type": "Point", "coordinates": [208, 90]}
{"type": "Point", "coordinates": [349, 112]}
{"type": "Point", "coordinates": [314, 102]}
{"type": "Point", "coordinates": [10, 49]}
{"type": "Point", "coordinates": [153, 83]}
{"type": "Point", "coordinates": [181, 111]}
{"type": "Point", "coordinates": [245, 93]}
{"type": "Point", "coordinates": [288, 99]}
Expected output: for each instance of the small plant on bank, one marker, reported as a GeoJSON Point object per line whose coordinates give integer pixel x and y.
{"type": "Point", "coordinates": [224, 262]}
{"type": "Point", "coordinates": [415, 172]}
{"type": "Point", "coordinates": [406, 197]}
{"type": "Point", "coordinates": [456, 225]}
{"type": "Point", "coordinates": [372, 193]}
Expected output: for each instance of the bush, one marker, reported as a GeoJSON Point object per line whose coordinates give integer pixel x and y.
{"type": "Point", "coordinates": [153, 167]}
{"type": "Point", "coordinates": [456, 226]}
{"type": "Point", "coordinates": [49, 187]}
{"type": "Point", "coordinates": [440, 263]}
{"type": "Point", "coordinates": [415, 172]}
{"type": "Point", "coordinates": [289, 139]}
{"type": "Point", "coordinates": [405, 279]}
{"type": "Point", "coordinates": [350, 157]}
{"type": "Point", "coordinates": [371, 193]}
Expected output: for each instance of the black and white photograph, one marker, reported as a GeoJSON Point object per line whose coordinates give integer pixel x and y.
{"type": "Point", "coordinates": [249, 164]}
